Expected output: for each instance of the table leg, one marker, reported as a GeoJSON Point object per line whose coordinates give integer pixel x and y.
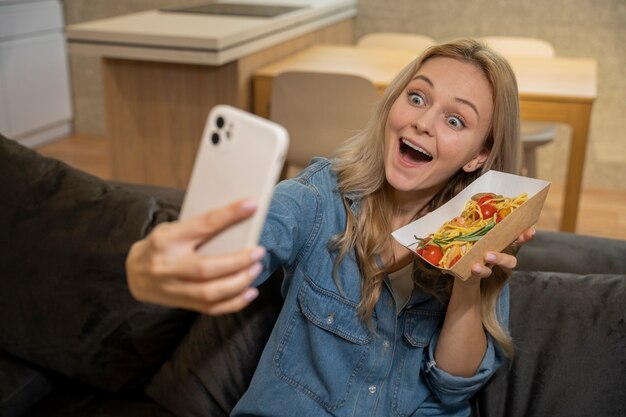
{"type": "Point", "coordinates": [578, 118]}
{"type": "Point", "coordinates": [577, 114]}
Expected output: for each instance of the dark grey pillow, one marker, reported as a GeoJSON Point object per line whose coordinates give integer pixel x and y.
{"type": "Point", "coordinates": [64, 301]}
{"type": "Point", "coordinates": [213, 366]}
{"type": "Point", "coordinates": [570, 337]}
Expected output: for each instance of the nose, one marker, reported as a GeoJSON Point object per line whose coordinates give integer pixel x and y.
{"type": "Point", "coordinates": [424, 121]}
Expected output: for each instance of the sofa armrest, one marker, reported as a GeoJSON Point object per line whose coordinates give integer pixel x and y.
{"type": "Point", "coordinates": [166, 195]}
{"type": "Point", "coordinates": [569, 252]}
{"type": "Point", "coordinates": [64, 299]}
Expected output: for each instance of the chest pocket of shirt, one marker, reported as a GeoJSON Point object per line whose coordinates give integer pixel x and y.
{"type": "Point", "coordinates": [324, 347]}
{"type": "Point", "coordinates": [420, 325]}
{"type": "Point", "coordinates": [419, 328]}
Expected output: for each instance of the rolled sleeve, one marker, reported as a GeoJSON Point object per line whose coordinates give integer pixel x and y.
{"type": "Point", "coordinates": [452, 389]}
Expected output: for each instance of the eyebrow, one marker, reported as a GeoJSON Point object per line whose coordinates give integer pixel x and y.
{"type": "Point", "coordinates": [458, 99]}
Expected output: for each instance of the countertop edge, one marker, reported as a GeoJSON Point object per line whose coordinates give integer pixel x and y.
{"type": "Point", "coordinates": [202, 56]}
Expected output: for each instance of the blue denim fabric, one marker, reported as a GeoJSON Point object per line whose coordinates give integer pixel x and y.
{"type": "Point", "coordinates": [321, 358]}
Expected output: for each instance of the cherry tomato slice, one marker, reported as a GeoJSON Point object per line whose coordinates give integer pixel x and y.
{"type": "Point", "coordinates": [433, 254]}
{"type": "Point", "coordinates": [502, 213]}
{"type": "Point", "coordinates": [454, 260]}
{"type": "Point", "coordinates": [487, 211]}
{"type": "Point", "coordinates": [485, 199]}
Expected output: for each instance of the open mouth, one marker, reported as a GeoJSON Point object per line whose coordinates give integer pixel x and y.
{"type": "Point", "coordinates": [413, 153]}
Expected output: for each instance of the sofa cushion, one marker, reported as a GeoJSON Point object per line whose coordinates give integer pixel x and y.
{"type": "Point", "coordinates": [71, 399]}
{"type": "Point", "coordinates": [64, 301]}
{"type": "Point", "coordinates": [569, 252]}
{"type": "Point", "coordinates": [569, 331]}
{"type": "Point", "coordinates": [213, 365]}
{"type": "Point", "coordinates": [21, 386]}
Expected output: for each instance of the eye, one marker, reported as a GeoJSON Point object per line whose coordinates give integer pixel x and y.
{"type": "Point", "coordinates": [416, 98]}
{"type": "Point", "coordinates": [455, 122]}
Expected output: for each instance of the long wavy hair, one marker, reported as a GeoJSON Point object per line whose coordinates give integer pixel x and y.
{"type": "Point", "coordinates": [360, 169]}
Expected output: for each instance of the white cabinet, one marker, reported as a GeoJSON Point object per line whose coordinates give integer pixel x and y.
{"type": "Point", "coordinates": [35, 102]}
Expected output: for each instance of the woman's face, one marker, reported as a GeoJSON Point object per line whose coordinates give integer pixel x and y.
{"type": "Point", "coordinates": [437, 126]}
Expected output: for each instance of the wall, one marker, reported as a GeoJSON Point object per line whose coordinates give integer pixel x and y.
{"type": "Point", "coordinates": [583, 28]}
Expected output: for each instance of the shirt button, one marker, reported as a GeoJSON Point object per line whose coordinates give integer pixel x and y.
{"type": "Point", "coordinates": [372, 389]}
{"type": "Point", "coordinates": [386, 344]}
{"type": "Point", "coordinates": [330, 319]}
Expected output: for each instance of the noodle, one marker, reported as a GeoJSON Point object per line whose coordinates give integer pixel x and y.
{"type": "Point", "coordinates": [480, 215]}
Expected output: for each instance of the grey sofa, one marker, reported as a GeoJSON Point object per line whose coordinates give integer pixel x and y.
{"type": "Point", "coordinates": [74, 342]}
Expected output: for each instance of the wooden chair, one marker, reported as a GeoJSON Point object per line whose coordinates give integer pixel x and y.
{"type": "Point", "coordinates": [396, 41]}
{"type": "Point", "coordinates": [533, 134]}
{"type": "Point", "coordinates": [320, 111]}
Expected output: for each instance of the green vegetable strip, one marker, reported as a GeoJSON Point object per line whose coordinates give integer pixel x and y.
{"type": "Point", "coordinates": [470, 237]}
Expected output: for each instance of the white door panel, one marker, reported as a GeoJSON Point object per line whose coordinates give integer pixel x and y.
{"type": "Point", "coordinates": [35, 82]}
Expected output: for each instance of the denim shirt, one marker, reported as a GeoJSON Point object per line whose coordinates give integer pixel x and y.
{"type": "Point", "coordinates": [322, 358]}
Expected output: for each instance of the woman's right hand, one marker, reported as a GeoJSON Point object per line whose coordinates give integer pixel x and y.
{"type": "Point", "coordinates": [165, 267]}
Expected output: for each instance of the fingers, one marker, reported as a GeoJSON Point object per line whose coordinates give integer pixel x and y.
{"type": "Point", "coordinates": [184, 279]}
{"type": "Point", "coordinates": [230, 305]}
{"type": "Point", "coordinates": [234, 304]}
{"type": "Point", "coordinates": [480, 271]}
{"type": "Point", "coordinates": [165, 267]}
{"type": "Point", "coordinates": [195, 267]}
{"type": "Point", "coordinates": [526, 236]}
{"type": "Point", "coordinates": [210, 223]}
{"type": "Point", "coordinates": [218, 296]}
{"type": "Point", "coordinates": [501, 259]}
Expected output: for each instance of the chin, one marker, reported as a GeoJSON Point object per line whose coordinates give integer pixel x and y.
{"type": "Point", "coordinates": [401, 182]}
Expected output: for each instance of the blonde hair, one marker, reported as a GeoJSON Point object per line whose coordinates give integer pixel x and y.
{"type": "Point", "coordinates": [360, 170]}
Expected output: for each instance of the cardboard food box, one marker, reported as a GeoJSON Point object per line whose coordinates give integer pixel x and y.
{"type": "Point", "coordinates": [502, 234]}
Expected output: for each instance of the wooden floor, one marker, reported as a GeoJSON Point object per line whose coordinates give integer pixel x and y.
{"type": "Point", "coordinates": [602, 212]}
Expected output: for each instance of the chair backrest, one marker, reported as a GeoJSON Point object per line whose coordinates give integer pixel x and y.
{"type": "Point", "coordinates": [511, 46]}
{"type": "Point", "coordinates": [320, 110]}
{"type": "Point", "coordinates": [396, 41]}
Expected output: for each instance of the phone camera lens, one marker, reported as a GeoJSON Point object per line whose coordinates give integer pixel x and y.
{"type": "Point", "coordinates": [220, 122]}
{"type": "Point", "coordinates": [215, 138]}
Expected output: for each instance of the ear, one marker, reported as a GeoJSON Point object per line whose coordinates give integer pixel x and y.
{"type": "Point", "coordinates": [477, 162]}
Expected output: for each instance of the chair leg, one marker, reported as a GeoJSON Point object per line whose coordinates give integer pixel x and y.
{"type": "Point", "coordinates": [529, 164]}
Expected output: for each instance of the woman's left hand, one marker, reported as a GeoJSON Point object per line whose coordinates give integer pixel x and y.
{"type": "Point", "coordinates": [501, 259]}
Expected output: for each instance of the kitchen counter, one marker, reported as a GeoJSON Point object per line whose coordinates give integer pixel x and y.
{"type": "Point", "coordinates": [163, 71]}
{"type": "Point", "coordinates": [210, 39]}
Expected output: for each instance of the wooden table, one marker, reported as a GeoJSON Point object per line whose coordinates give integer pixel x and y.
{"type": "Point", "coordinates": [551, 89]}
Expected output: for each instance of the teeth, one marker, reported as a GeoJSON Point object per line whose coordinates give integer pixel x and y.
{"type": "Point", "coordinates": [415, 147]}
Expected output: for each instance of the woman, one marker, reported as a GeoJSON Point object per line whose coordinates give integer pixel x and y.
{"type": "Point", "coordinates": [363, 331]}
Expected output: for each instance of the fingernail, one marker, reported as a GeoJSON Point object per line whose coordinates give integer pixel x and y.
{"type": "Point", "coordinates": [249, 204]}
{"type": "Point", "coordinates": [257, 254]}
{"type": "Point", "coordinates": [490, 257]}
{"type": "Point", "coordinates": [477, 269]}
{"type": "Point", "coordinates": [250, 294]}
{"type": "Point", "coordinates": [255, 270]}
{"type": "Point", "coordinates": [533, 231]}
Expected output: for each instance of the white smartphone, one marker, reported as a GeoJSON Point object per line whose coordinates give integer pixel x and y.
{"type": "Point", "coordinates": [240, 156]}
